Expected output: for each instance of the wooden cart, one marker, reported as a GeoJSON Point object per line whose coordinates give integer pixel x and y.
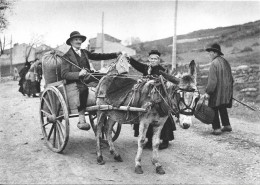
{"type": "Point", "coordinates": [58, 103]}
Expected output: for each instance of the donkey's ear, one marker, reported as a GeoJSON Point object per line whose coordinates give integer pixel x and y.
{"type": "Point", "coordinates": [192, 68]}
{"type": "Point", "coordinates": [170, 78]}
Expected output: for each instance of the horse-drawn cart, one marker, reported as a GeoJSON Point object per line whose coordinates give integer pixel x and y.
{"type": "Point", "coordinates": [59, 102]}
{"type": "Point", "coordinates": [118, 100]}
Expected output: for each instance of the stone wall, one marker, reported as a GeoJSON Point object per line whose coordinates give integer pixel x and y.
{"type": "Point", "coordinates": [246, 81]}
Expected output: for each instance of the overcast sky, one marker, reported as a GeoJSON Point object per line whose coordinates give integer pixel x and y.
{"type": "Point", "coordinates": [148, 20]}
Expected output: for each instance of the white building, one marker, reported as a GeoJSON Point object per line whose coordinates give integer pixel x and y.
{"type": "Point", "coordinates": [111, 44]}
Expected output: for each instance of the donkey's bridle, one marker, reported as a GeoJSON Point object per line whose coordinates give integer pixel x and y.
{"type": "Point", "coordinates": [179, 100]}
{"type": "Point", "coordinates": [187, 107]}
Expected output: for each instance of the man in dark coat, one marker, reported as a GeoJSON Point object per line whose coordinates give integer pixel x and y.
{"type": "Point", "coordinates": [153, 69]}
{"type": "Point", "coordinates": [219, 89]}
{"type": "Point", "coordinates": [80, 57]}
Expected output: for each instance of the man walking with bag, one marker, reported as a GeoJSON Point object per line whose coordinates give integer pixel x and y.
{"type": "Point", "coordinates": [219, 89]}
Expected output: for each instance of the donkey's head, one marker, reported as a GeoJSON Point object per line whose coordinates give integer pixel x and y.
{"type": "Point", "coordinates": [184, 94]}
{"type": "Point", "coordinates": [120, 66]}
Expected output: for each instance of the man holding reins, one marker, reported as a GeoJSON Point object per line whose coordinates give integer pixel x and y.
{"type": "Point", "coordinates": [80, 57]}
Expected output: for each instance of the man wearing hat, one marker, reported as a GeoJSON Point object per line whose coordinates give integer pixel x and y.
{"type": "Point", "coordinates": [80, 57]}
{"type": "Point", "coordinates": [153, 69]}
{"type": "Point", "coordinates": [219, 89]}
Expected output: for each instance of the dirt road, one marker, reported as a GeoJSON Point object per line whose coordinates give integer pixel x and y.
{"type": "Point", "coordinates": [194, 157]}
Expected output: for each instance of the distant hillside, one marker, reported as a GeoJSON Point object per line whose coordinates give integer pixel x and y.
{"type": "Point", "coordinates": [198, 40]}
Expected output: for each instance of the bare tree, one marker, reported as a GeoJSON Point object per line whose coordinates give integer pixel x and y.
{"type": "Point", "coordinates": [5, 5]}
{"type": "Point", "coordinates": [2, 45]}
{"type": "Point", "coordinates": [35, 41]}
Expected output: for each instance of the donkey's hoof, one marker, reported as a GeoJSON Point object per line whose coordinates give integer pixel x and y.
{"type": "Point", "coordinates": [118, 158]}
{"type": "Point", "coordinates": [138, 170]}
{"type": "Point", "coordinates": [160, 170]}
{"type": "Point", "coordinates": [100, 160]}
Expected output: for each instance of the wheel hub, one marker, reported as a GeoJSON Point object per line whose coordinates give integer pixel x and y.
{"type": "Point", "coordinates": [52, 119]}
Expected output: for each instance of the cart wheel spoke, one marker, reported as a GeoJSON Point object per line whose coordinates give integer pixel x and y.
{"type": "Point", "coordinates": [54, 137]}
{"type": "Point", "coordinates": [46, 124]}
{"type": "Point", "coordinates": [49, 135]}
{"type": "Point", "coordinates": [59, 117]}
{"type": "Point", "coordinates": [60, 131]}
{"type": "Point", "coordinates": [58, 109]}
{"type": "Point", "coordinates": [114, 131]}
{"type": "Point", "coordinates": [48, 114]}
{"type": "Point", "coordinates": [48, 105]}
{"type": "Point", "coordinates": [51, 100]}
{"type": "Point", "coordinates": [58, 136]}
{"type": "Point", "coordinates": [61, 125]}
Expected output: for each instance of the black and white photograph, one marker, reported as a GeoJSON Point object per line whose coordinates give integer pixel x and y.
{"type": "Point", "coordinates": [129, 92]}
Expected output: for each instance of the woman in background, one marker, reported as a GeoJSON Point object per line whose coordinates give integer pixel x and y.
{"type": "Point", "coordinates": [22, 74]}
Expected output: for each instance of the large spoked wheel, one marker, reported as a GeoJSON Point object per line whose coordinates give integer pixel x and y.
{"type": "Point", "coordinates": [115, 131]}
{"type": "Point", "coordinates": [54, 119]}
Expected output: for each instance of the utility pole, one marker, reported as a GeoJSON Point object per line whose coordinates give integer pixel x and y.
{"type": "Point", "coordinates": [11, 57]}
{"type": "Point", "coordinates": [0, 71]}
{"type": "Point", "coordinates": [102, 40]}
{"type": "Point", "coordinates": [174, 40]}
{"type": "Point", "coordinates": [102, 33]}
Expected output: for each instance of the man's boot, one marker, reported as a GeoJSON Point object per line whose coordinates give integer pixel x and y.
{"type": "Point", "coordinates": [164, 145]}
{"type": "Point", "coordinates": [227, 128]}
{"type": "Point", "coordinates": [216, 131]}
{"type": "Point", "coordinates": [82, 124]}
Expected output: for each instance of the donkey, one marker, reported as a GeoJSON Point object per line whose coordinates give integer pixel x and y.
{"type": "Point", "coordinates": [161, 97]}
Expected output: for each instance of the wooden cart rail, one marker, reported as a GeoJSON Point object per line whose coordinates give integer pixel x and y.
{"type": "Point", "coordinates": [110, 107]}
{"type": "Point", "coordinates": [102, 107]}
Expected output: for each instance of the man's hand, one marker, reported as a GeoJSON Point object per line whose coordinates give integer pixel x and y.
{"type": "Point", "coordinates": [126, 56]}
{"type": "Point", "coordinates": [83, 72]}
{"type": "Point", "coordinates": [206, 96]}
